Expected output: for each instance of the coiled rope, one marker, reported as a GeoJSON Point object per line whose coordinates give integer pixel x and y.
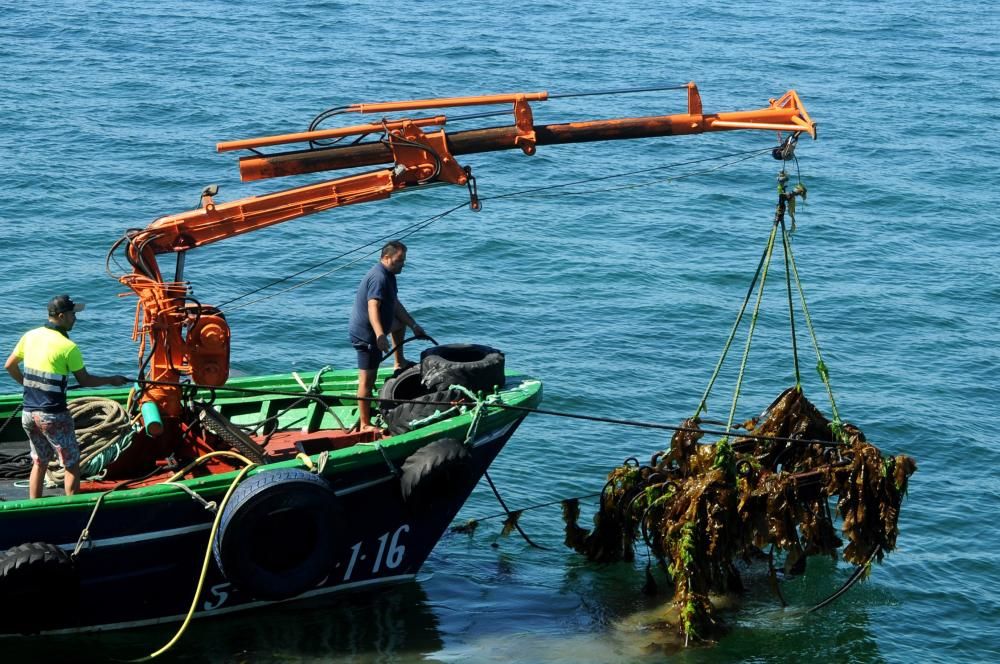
{"type": "Point", "coordinates": [103, 432]}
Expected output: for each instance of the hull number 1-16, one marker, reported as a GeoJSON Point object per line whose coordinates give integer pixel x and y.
{"type": "Point", "coordinates": [390, 553]}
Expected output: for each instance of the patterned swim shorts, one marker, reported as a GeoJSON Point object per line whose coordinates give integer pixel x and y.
{"type": "Point", "coordinates": [50, 434]}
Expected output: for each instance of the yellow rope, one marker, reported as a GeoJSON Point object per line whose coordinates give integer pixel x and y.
{"type": "Point", "coordinates": [306, 461]}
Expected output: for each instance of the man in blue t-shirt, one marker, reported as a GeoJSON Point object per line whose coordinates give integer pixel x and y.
{"type": "Point", "coordinates": [377, 313]}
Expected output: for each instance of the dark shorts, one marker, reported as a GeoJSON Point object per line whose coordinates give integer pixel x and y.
{"type": "Point", "coordinates": [369, 356]}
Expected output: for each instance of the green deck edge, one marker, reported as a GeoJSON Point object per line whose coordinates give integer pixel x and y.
{"type": "Point", "coordinates": [527, 393]}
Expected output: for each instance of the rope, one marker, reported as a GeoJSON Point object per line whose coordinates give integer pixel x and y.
{"type": "Point", "coordinates": [339, 110]}
{"type": "Point", "coordinates": [786, 245]}
{"type": "Point", "coordinates": [311, 389]}
{"type": "Point", "coordinates": [703, 404]}
{"type": "Point", "coordinates": [746, 154]}
{"type": "Point", "coordinates": [859, 573]}
{"type": "Point", "coordinates": [511, 516]}
{"type": "Point", "coordinates": [784, 199]}
{"type": "Point", "coordinates": [207, 504]}
{"type": "Point", "coordinates": [753, 325]}
{"type": "Point", "coordinates": [667, 427]}
{"type": "Point", "coordinates": [619, 91]}
{"type": "Point", "coordinates": [85, 533]}
{"type": "Point", "coordinates": [100, 424]}
{"type": "Point", "coordinates": [396, 472]}
{"type": "Point", "coordinates": [10, 419]}
{"type": "Point", "coordinates": [540, 411]}
{"type": "Point", "coordinates": [407, 231]}
{"type": "Point", "coordinates": [14, 466]}
{"type": "Point", "coordinates": [421, 225]}
{"type": "Point", "coordinates": [95, 468]}
{"type": "Point", "coordinates": [205, 457]}
{"type": "Point", "coordinates": [533, 507]}
{"type": "Point", "coordinates": [480, 410]}
{"type": "Point", "coordinates": [821, 368]}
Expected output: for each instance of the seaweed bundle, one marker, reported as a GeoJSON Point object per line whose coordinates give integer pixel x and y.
{"type": "Point", "coordinates": [700, 508]}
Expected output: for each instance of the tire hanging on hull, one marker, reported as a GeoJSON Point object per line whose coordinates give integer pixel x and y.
{"type": "Point", "coordinates": [436, 473]}
{"type": "Point", "coordinates": [40, 589]}
{"type": "Point", "coordinates": [278, 534]}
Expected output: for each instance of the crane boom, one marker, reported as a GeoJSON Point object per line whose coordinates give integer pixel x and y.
{"type": "Point", "coordinates": [784, 114]}
{"type": "Point", "coordinates": [188, 338]}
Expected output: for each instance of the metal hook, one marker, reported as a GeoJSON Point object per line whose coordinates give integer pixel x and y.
{"type": "Point", "coordinates": [786, 151]}
{"type": "Point", "coordinates": [470, 182]}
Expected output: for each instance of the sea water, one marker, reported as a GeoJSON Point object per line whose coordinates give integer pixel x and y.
{"type": "Point", "coordinates": [619, 297]}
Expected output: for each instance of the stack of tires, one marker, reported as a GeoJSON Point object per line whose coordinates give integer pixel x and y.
{"type": "Point", "coordinates": [421, 390]}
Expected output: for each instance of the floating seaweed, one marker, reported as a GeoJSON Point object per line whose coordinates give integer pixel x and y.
{"type": "Point", "coordinates": [700, 508]}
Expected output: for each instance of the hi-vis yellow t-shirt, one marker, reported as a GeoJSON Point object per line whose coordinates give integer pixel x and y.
{"type": "Point", "coordinates": [49, 358]}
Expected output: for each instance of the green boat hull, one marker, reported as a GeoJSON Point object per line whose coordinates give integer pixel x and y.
{"type": "Point", "coordinates": [145, 544]}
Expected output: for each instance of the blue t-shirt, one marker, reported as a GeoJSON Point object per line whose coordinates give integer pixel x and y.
{"type": "Point", "coordinates": [379, 284]}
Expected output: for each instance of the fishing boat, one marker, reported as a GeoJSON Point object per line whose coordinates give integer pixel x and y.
{"type": "Point", "coordinates": [220, 494]}
{"type": "Point", "coordinates": [329, 508]}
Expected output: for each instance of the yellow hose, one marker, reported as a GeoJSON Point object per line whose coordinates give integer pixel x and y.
{"type": "Point", "coordinates": [197, 462]}
{"type": "Point", "coordinates": [208, 550]}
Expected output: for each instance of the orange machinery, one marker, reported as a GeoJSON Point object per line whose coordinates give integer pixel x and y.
{"type": "Point", "coordinates": [186, 338]}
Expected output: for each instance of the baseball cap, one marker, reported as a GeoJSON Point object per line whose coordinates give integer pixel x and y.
{"type": "Point", "coordinates": [63, 303]}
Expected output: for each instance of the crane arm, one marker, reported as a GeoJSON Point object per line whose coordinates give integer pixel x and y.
{"type": "Point", "coordinates": [217, 221]}
{"type": "Point", "coordinates": [187, 338]}
{"type": "Point", "coordinates": [421, 156]}
{"type": "Point", "coordinates": [784, 114]}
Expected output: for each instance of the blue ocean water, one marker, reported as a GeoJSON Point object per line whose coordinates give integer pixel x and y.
{"type": "Point", "coordinates": [619, 297]}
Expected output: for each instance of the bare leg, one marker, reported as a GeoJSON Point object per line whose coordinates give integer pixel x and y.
{"type": "Point", "coordinates": [366, 381]}
{"type": "Point", "coordinates": [397, 344]}
{"type": "Point", "coordinates": [35, 480]}
{"type": "Point", "coordinates": [71, 481]}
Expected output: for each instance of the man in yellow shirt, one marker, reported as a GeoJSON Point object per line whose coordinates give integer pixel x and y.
{"type": "Point", "coordinates": [49, 356]}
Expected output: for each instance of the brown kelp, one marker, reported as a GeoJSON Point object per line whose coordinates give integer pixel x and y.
{"type": "Point", "coordinates": [701, 508]}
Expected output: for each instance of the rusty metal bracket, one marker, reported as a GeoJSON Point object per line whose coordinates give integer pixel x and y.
{"type": "Point", "coordinates": [424, 156]}
{"type": "Point", "coordinates": [525, 123]}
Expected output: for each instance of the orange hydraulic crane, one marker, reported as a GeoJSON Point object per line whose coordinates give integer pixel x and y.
{"type": "Point", "coordinates": [187, 338]}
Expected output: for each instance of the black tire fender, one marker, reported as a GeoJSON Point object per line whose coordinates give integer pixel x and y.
{"type": "Point", "coordinates": [404, 385]}
{"type": "Point", "coordinates": [277, 535]}
{"type": "Point", "coordinates": [436, 472]}
{"type": "Point", "coordinates": [39, 586]}
{"type": "Point", "coordinates": [476, 367]}
{"type": "Point", "coordinates": [399, 419]}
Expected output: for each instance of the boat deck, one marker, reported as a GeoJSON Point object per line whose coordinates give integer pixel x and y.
{"type": "Point", "coordinates": [279, 446]}
{"type": "Point", "coordinates": [18, 490]}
